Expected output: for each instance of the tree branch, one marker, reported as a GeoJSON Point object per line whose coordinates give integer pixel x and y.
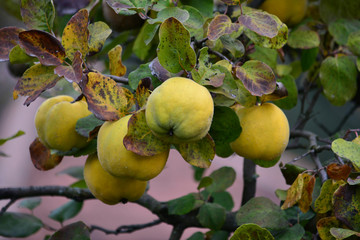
{"type": "Point", "coordinates": [125, 228]}
{"type": "Point", "coordinates": [123, 80]}
{"type": "Point", "coordinates": [249, 177]}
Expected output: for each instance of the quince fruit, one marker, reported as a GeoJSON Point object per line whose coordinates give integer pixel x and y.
{"type": "Point", "coordinates": [55, 122]}
{"type": "Point", "coordinates": [289, 12]}
{"type": "Point", "coordinates": [120, 162]}
{"type": "Point", "coordinates": [110, 189]}
{"type": "Point", "coordinates": [179, 110]}
{"type": "Point", "coordinates": [265, 132]}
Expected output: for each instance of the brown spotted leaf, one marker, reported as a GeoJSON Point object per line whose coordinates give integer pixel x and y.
{"type": "Point", "coordinates": [300, 192]}
{"type": "Point", "coordinates": [221, 25]}
{"type": "Point", "coordinates": [338, 172]}
{"type": "Point", "coordinates": [258, 77]}
{"type": "Point", "coordinates": [44, 46]}
{"type": "Point", "coordinates": [107, 100]}
{"type": "Point", "coordinates": [38, 14]}
{"type": "Point", "coordinates": [341, 233]}
{"type": "Point", "coordinates": [143, 92]}
{"type": "Point", "coordinates": [34, 81]}
{"type": "Point", "coordinates": [76, 34]}
{"type": "Point", "coordinates": [98, 33]}
{"type": "Point", "coordinates": [323, 203]}
{"type": "Point", "coordinates": [260, 22]}
{"type": "Point", "coordinates": [233, 2]}
{"type": "Point", "coordinates": [9, 38]}
{"type": "Point", "coordinates": [324, 225]}
{"type": "Point", "coordinates": [41, 156]}
{"type": "Point", "coordinates": [279, 93]}
{"type": "Point", "coordinates": [71, 73]}
{"type": "Point", "coordinates": [347, 206]}
{"type": "Point", "coordinates": [199, 153]}
{"type": "Point", "coordinates": [115, 64]}
{"type": "Point", "coordinates": [140, 139]}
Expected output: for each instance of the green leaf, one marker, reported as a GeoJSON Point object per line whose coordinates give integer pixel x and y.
{"type": "Point", "coordinates": [199, 153]}
{"type": "Point", "coordinates": [258, 78]}
{"type": "Point", "coordinates": [98, 33]}
{"type": "Point", "coordinates": [225, 128]}
{"type": "Point", "coordinates": [174, 50]}
{"type": "Point", "coordinates": [143, 71]}
{"type": "Point", "coordinates": [354, 42]}
{"type": "Point", "coordinates": [341, 233]}
{"type": "Point", "coordinates": [75, 36]}
{"type": "Point", "coordinates": [195, 22]}
{"type": "Point", "coordinates": [130, 7]}
{"type": "Point", "coordinates": [234, 46]}
{"type": "Point", "coordinates": [304, 39]}
{"type": "Point", "coordinates": [79, 184]}
{"type": "Point", "coordinates": [205, 182]}
{"type": "Point", "coordinates": [182, 205]}
{"type": "Point", "coordinates": [140, 139]}
{"type": "Point", "coordinates": [221, 25]}
{"type": "Point", "coordinates": [149, 32]}
{"type": "Point", "coordinates": [18, 55]}
{"type": "Point", "coordinates": [291, 100]}
{"type": "Point", "coordinates": [341, 28]}
{"type": "Point", "coordinates": [66, 211]}
{"type": "Point", "coordinates": [85, 126]}
{"type": "Point", "coordinates": [290, 172]}
{"type": "Point", "coordinates": [205, 6]}
{"type": "Point", "coordinates": [212, 215]}
{"type": "Point", "coordinates": [175, 12]}
{"type": "Point", "coordinates": [323, 203]}
{"type": "Point", "coordinates": [197, 236]}
{"type": "Point", "coordinates": [223, 178]}
{"type": "Point", "coordinates": [349, 150]}
{"type": "Point", "coordinates": [34, 81]}
{"type": "Point", "coordinates": [266, 163]}
{"type": "Point", "coordinates": [263, 212]}
{"type": "Point", "coordinates": [338, 79]}
{"type": "Point", "coordinates": [142, 46]}
{"type": "Point", "coordinates": [295, 232]}
{"type": "Point", "coordinates": [276, 42]}
{"type": "Point", "coordinates": [224, 199]}
{"type": "Point", "coordinates": [308, 58]}
{"type": "Point", "coordinates": [75, 172]}
{"type": "Point", "coordinates": [38, 14]}
{"type": "Point", "coordinates": [331, 10]}
{"type": "Point", "coordinates": [18, 225]}
{"type": "Point", "coordinates": [259, 22]}
{"type": "Point", "coordinates": [74, 231]}
{"type": "Point", "coordinates": [265, 55]}
{"type": "Point", "coordinates": [30, 203]}
{"type": "Point", "coordinates": [251, 231]}
{"type": "Point", "coordinates": [346, 206]}
{"type": "Point", "coordinates": [18, 134]}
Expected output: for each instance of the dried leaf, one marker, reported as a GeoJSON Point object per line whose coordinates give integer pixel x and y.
{"type": "Point", "coordinates": [44, 46]}
{"type": "Point", "coordinates": [300, 192]}
{"type": "Point", "coordinates": [105, 98]}
{"type": "Point", "coordinates": [115, 64]}
{"type": "Point", "coordinates": [71, 73]}
{"type": "Point", "coordinates": [41, 156]}
{"type": "Point", "coordinates": [140, 139]}
{"type": "Point", "coordinates": [199, 153]}
{"type": "Point", "coordinates": [98, 33]}
{"type": "Point", "coordinates": [221, 25]}
{"type": "Point", "coordinates": [34, 81]}
{"type": "Point", "coordinates": [76, 34]}
{"type": "Point", "coordinates": [260, 22]}
{"type": "Point", "coordinates": [258, 78]}
{"type": "Point", "coordinates": [338, 172]}
{"type": "Point", "coordinates": [9, 38]}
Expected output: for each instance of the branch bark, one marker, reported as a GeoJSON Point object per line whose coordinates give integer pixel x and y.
{"type": "Point", "coordinates": [249, 177]}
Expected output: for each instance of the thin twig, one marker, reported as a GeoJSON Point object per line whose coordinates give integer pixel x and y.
{"type": "Point", "coordinates": [319, 166]}
{"type": "Point", "coordinates": [220, 55]}
{"type": "Point", "coordinates": [6, 207]}
{"type": "Point", "coordinates": [125, 228]}
{"type": "Point", "coordinates": [123, 80]}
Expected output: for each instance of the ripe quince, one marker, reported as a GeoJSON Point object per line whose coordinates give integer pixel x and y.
{"type": "Point", "coordinates": [120, 162]}
{"type": "Point", "coordinates": [55, 122]}
{"type": "Point", "coordinates": [289, 12]}
{"type": "Point", "coordinates": [265, 132]}
{"type": "Point", "coordinates": [179, 110]}
{"type": "Point", "coordinates": [110, 189]}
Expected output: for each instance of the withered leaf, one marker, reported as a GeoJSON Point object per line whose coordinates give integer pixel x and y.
{"type": "Point", "coordinates": [258, 77]}
{"type": "Point", "coordinates": [9, 38]}
{"type": "Point", "coordinates": [107, 100]}
{"type": "Point", "coordinates": [41, 156]}
{"type": "Point", "coordinates": [34, 81]}
{"type": "Point", "coordinates": [115, 64]}
{"type": "Point", "coordinates": [98, 33]}
{"type": "Point", "coordinates": [140, 139]}
{"type": "Point", "coordinates": [76, 34]}
{"type": "Point", "coordinates": [221, 25]}
{"type": "Point", "coordinates": [279, 93]}
{"type": "Point", "coordinates": [338, 172]}
{"type": "Point", "coordinates": [143, 92]}
{"type": "Point", "coordinates": [260, 22]}
{"type": "Point", "coordinates": [44, 46]}
{"type": "Point", "coordinates": [71, 73]}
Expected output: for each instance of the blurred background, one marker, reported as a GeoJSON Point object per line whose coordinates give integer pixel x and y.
{"type": "Point", "coordinates": [176, 180]}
